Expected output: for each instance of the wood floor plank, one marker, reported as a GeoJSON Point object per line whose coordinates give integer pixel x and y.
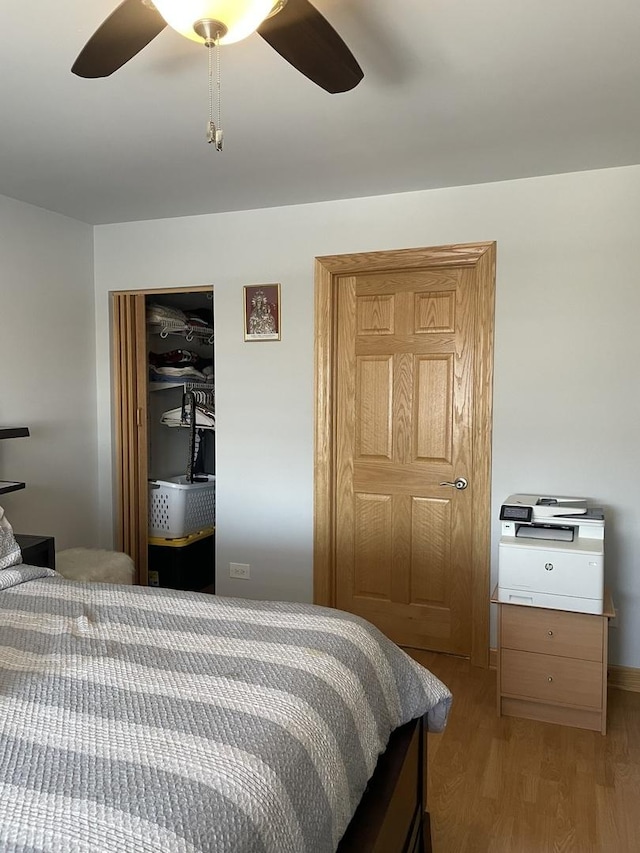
{"type": "Point", "coordinates": [506, 785]}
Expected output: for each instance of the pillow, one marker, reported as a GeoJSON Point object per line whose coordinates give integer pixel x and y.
{"type": "Point", "coordinates": [10, 553]}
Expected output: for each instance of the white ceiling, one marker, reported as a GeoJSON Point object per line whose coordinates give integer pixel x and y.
{"type": "Point", "coordinates": [455, 92]}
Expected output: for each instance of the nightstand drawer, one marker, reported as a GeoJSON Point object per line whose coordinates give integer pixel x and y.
{"type": "Point", "coordinates": [552, 632]}
{"type": "Point", "coordinates": [551, 679]}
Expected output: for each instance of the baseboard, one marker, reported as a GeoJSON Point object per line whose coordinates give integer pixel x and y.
{"type": "Point", "coordinates": [624, 678]}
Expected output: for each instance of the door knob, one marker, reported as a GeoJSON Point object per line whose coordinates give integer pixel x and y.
{"type": "Point", "coordinates": [459, 483]}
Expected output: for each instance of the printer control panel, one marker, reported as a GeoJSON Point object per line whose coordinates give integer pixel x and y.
{"type": "Point", "coordinates": [509, 512]}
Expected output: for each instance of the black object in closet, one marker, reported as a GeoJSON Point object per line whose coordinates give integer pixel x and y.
{"type": "Point", "coordinates": [190, 399]}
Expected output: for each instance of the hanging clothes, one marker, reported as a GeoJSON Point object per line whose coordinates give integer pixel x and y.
{"type": "Point", "coordinates": [205, 418]}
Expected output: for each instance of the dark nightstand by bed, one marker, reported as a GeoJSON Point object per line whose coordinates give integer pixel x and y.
{"type": "Point", "coordinates": [37, 550]}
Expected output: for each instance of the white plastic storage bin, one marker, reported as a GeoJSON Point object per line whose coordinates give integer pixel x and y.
{"type": "Point", "coordinates": [178, 508]}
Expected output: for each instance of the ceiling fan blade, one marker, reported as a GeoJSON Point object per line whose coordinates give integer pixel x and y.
{"type": "Point", "coordinates": [125, 32]}
{"type": "Point", "coordinates": [302, 36]}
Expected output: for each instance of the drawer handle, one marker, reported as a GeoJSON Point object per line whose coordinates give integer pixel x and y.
{"type": "Point", "coordinates": [550, 633]}
{"type": "Point", "coordinates": [550, 679]}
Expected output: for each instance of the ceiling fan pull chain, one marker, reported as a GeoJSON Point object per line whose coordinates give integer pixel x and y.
{"type": "Point", "coordinates": [219, 133]}
{"type": "Point", "coordinates": [211, 127]}
{"type": "Point", "coordinates": [214, 133]}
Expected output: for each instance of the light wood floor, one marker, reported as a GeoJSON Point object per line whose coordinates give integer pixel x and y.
{"type": "Point", "coordinates": [507, 785]}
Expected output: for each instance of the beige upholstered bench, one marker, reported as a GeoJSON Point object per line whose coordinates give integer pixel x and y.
{"type": "Point", "coordinates": [95, 564]}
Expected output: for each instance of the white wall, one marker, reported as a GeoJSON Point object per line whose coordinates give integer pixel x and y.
{"type": "Point", "coordinates": [47, 373]}
{"type": "Point", "coordinates": [567, 402]}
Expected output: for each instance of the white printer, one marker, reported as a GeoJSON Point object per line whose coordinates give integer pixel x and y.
{"type": "Point", "coordinates": [551, 553]}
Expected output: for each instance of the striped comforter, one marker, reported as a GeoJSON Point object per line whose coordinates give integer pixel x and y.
{"type": "Point", "coordinates": [135, 720]}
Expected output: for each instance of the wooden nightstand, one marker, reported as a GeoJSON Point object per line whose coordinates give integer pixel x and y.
{"type": "Point", "coordinates": [552, 664]}
{"type": "Point", "coordinates": [37, 550]}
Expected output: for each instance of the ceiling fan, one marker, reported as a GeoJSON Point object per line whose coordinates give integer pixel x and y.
{"type": "Point", "coordinates": [294, 28]}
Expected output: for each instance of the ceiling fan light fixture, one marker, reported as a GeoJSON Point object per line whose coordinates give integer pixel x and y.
{"type": "Point", "coordinates": [240, 17]}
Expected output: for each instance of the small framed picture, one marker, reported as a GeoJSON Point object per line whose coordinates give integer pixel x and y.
{"type": "Point", "coordinates": [262, 312]}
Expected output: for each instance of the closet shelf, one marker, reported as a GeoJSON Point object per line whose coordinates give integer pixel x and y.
{"type": "Point", "coordinates": [7, 486]}
{"type": "Point", "coordinates": [186, 386]}
{"type": "Point", "coordinates": [175, 327]}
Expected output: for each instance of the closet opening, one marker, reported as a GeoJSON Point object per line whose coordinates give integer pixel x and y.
{"type": "Point", "coordinates": [164, 406]}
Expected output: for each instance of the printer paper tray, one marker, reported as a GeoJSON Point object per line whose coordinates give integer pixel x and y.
{"type": "Point", "coordinates": [578, 546]}
{"type": "Point", "coordinates": [531, 598]}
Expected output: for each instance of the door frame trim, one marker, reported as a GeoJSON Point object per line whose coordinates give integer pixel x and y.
{"type": "Point", "coordinates": [329, 270]}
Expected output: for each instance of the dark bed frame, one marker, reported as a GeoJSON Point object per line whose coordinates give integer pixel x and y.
{"type": "Point", "coordinates": [392, 816]}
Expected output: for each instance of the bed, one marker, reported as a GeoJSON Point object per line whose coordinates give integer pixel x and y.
{"type": "Point", "coordinates": [144, 720]}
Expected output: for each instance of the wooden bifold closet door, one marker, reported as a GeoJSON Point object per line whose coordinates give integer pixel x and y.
{"type": "Point", "coordinates": [129, 359]}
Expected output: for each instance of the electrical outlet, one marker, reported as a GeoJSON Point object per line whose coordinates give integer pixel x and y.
{"type": "Point", "coordinates": [239, 570]}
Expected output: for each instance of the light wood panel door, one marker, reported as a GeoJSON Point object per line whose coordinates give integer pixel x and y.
{"type": "Point", "coordinates": [410, 409]}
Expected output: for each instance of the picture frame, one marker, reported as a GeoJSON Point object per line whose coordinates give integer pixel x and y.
{"type": "Point", "coordinates": [262, 312]}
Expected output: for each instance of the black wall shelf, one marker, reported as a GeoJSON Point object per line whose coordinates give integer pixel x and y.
{"type": "Point", "coordinates": [14, 432]}
{"type": "Point", "coordinates": [7, 486]}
